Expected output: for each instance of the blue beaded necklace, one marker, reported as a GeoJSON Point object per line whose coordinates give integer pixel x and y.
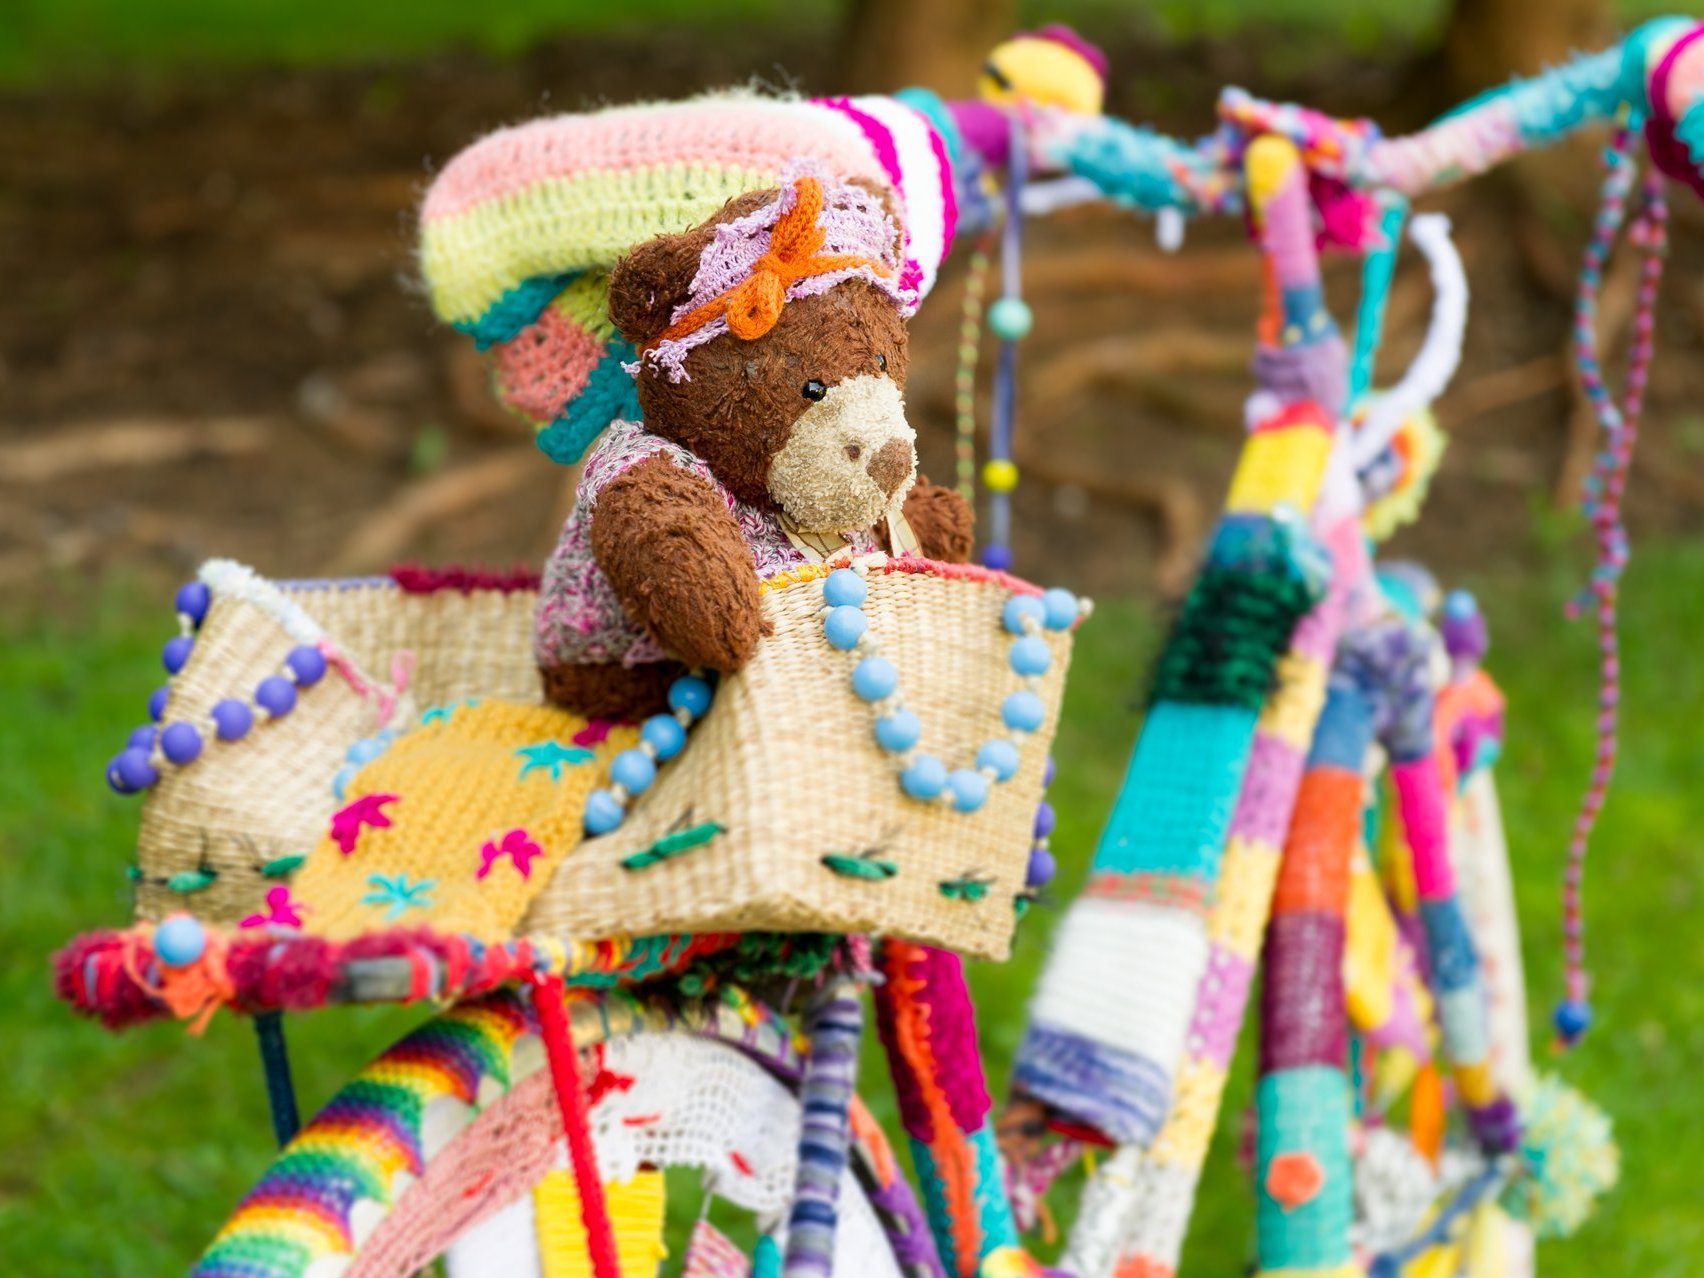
{"type": "Point", "coordinates": [875, 680]}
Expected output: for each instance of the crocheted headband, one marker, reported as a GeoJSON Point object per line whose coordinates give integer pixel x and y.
{"type": "Point", "coordinates": [819, 233]}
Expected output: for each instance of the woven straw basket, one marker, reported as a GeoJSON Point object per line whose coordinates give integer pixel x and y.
{"type": "Point", "coordinates": [248, 804]}
{"type": "Point", "coordinates": [786, 763]}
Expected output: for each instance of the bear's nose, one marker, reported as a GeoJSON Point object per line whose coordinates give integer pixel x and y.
{"type": "Point", "coordinates": [891, 466]}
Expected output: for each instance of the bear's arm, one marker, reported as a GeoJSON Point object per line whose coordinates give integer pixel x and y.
{"type": "Point", "coordinates": [675, 557]}
{"type": "Point", "coordinates": [942, 521]}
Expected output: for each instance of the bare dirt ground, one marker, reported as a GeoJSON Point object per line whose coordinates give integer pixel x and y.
{"type": "Point", "coordinates": [211, 341]}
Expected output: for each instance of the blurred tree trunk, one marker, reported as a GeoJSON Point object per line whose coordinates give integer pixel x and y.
{"type": "Point", "coordinates": [938, 44]}
{"type": "Point", "coordinates": [1488, 41]}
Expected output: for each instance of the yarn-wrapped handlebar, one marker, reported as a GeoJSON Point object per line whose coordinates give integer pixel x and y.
{"type": "Point", "coordinates": [1139, 167]}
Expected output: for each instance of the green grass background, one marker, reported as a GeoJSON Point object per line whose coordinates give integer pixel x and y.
{"type": "Point", "coordinates": [123, 1152]}
{"type": "Point", "coordinates": [46, 42]}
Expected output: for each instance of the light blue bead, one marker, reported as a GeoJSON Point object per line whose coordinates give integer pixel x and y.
{"type": "Point", "coordinates": [340, 782]}
{"type": "Point", "coordinates": [874, 678]}
{"type": "Point", "coordinates": [1017, 608]}
{"type": "Point", "coordinates": [1023, 712]}
{"type": "Point", "coordinates": [845, 626]}
{"type": "Point", "coordinates": [180, 940]}
{"type": "Point", "coordinates": [844, 589]}
{"type": "Point", "coordinates": [603, 812]}
{"type": "Point", "coordinates": [1460, 604]}
{"type": "Point", "coordinates": [898, 731]}
{"type": "Point", "coordinates": [1030, 655]}
{"type": "Point", "coordinates": [1000, 757]}
{"type": "Point", "coordinates": [1061, 607]}
{"type": "Point", "coordinates": [1010, 320]}
{"type": "Point", "coordinates": [690, 693]}
{"type": "Point", "coordinates": [970, 789]}
{"type": "Point", "coordinates": [665, 734]}
{"type": "Point", "coordinates": [925, 778]}
{"type": "Point", "coordinates": [367, 749]}
{"type": "Point", "coordinates": [633, 771]}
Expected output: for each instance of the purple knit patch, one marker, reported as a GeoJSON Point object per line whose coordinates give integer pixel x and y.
{"type": "Point", "coordinates": [1120, 1094]}
{"type": "Point", "coordinates": [1268, 791]}
{"type": "Point", "coordinates": [1496, 1126]}
{"type": "Point", "coordinates": [1301, 998]}
{"type": "Point", "coordinates": [903, 1222]}
{"type": "Point", "coordinates": [1219, 1011]}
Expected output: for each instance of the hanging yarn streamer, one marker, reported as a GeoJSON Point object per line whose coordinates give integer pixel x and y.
{"type": "Point", "coordinates": [1010, 320]}
{"type": "Point", "coordinates": [1603, 491]}
{"type": "Point", "coordinates": [964, 377]}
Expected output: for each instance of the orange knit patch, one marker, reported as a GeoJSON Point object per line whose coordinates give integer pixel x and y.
{"type": "Point", "coordinates": [1314, 874]}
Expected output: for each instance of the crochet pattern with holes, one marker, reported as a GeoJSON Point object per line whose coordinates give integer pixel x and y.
{"type": "Point", "coordinates": [465, 1107]}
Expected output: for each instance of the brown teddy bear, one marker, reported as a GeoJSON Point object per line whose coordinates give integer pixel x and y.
{"type": "Point", "coordinates": [771, 372]}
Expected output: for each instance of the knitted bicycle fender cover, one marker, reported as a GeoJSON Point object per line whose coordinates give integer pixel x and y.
{"type": "Point", "coordinates": [520, 230]}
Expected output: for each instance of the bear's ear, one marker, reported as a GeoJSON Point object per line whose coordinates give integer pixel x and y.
{"type": "Point", "coordinates": [650, 282]}
{"type": "Point", "coordinates": [647, 285]}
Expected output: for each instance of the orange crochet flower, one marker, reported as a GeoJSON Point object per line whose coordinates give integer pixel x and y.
{"type": "Point", "coordinates": [1294, 1179]}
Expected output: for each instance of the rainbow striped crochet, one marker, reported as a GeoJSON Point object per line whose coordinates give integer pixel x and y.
{"type": "Point", "coordinates": [301, 1211]}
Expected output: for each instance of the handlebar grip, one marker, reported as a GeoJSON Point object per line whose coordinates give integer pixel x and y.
{"type": "Point", "coordinates": [1674, 131]}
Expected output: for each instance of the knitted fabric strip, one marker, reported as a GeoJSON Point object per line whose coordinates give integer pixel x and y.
{"type": "Point", "coordinates": [1302, 1027]}
{"type": "Point", "coordinates": [834, 1026]}
{"type": "Point", "coordinates": [1144, 1222]}
{"type": "Point", "coordinates": [1172, 818]}
{"type": "Point", "coordinates": [928, 1029]}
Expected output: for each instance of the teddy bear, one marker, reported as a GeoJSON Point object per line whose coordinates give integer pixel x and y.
{"type": "Point", "coordinates": [771, 373]}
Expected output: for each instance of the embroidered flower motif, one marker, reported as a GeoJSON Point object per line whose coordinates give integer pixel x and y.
{"type": "Point", "coordinates": [280, 910]}
{"type": "Point", "coordinates": [594, 733]}
{"type": "Point", "coordinates": [441, 714]}
{"type": "Point", "coordinates": [517, 845]}
{"type": "Point", "coordinates": [368, 810]}
{"type": "Point", "coordinates": [552, 756]}
{"type": "Point", "coordinates": [397, 893]}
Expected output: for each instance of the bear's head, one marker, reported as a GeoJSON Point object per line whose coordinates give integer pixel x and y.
{"type": "Point", "coordinates": [772, 345]}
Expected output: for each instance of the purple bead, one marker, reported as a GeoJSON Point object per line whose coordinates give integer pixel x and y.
{"type": "Point", "coordinates": [276, 695]}
{"type": "Point", "coordinates": [175, 655]}
{"type": "Point", "coordinates": [144, 737]}
{"type": "Point", "coordinates": [997, 557]}
{"type": "Point", "coordinates": [193, 600]}
{"type": "Point", "coordinates": [233, 719]}
{"type": "Point", "coordinates": [307, 664]}
{"type": "Point", "coordinates": [157, 703]}
{"type": "Point", "coordinates": [1049, 772]}
{"type": "Point", "coordinates": [180, 743]}
{"type": "Point", "coordinates": [131, 771]}
{"type": "Point", "coordinates": [1042, 868]}
{"type": "Point", "coordinates": [1043, 820]}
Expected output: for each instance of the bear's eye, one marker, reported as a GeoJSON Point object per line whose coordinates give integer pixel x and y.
{"type": "Point", "coordinates": [881, 362]}
{"type": "Point", "coordinates": [813, 389]}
